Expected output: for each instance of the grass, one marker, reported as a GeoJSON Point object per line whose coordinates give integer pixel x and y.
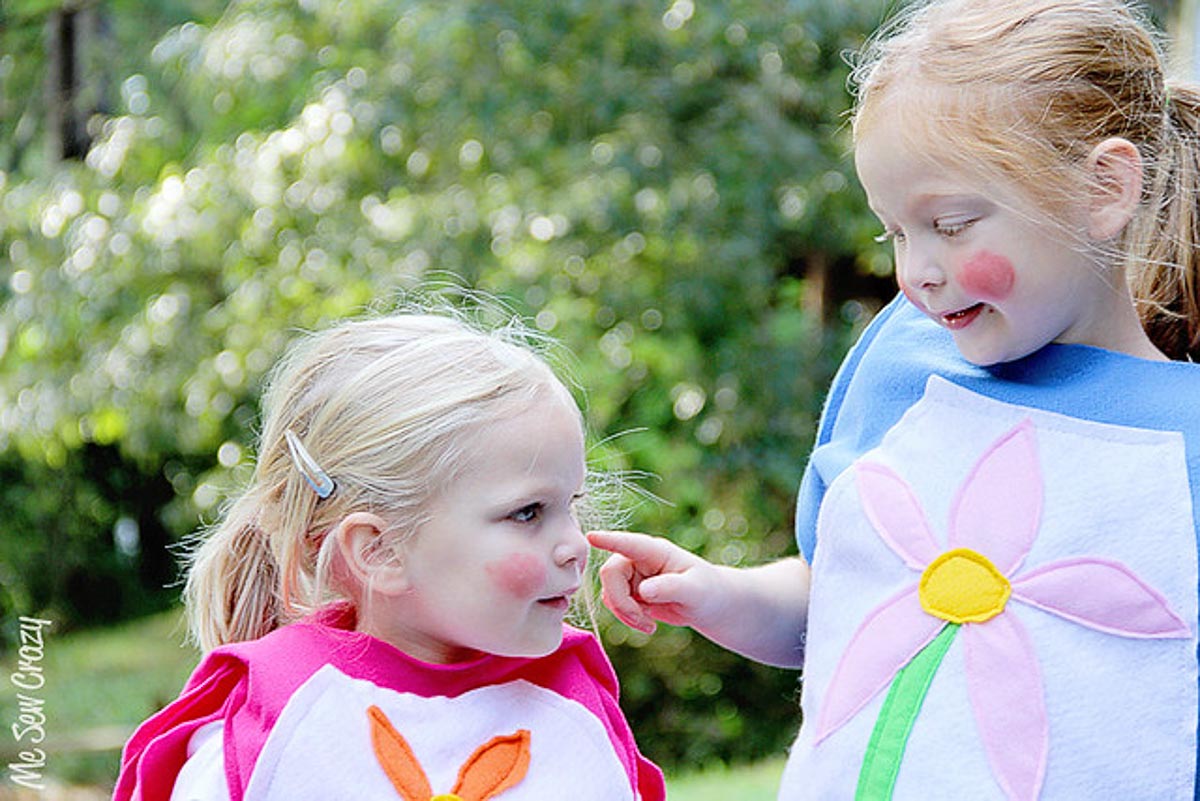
{"type": "Point", "coordinates": [757, 782]}
{"type": "Point", "coordinates": [100, 684]}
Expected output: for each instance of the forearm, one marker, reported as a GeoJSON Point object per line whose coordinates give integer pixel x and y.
{"type": "Point", "coordinates": [763, 612]}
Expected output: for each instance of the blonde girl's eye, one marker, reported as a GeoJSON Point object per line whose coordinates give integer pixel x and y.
{"type": "Point", "coordinates": [527, 513]}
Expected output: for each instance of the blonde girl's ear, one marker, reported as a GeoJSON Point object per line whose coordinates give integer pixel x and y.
{"type": "Point", "coordinates": [363, 544]}
{"type": "Point", "coordinates": [1115, 169]}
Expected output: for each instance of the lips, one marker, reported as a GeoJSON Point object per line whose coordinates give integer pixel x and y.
{"type": "Point", "coordinates": [956, 320]}
{"type": "Point", "coordinates": [560, 601]}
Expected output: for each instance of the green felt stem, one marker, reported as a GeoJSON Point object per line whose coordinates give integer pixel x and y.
{"type": "Point", "coordinates": [881, 764]}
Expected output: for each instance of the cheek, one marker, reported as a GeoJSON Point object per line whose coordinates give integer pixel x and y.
{"type": "Point", "coordinates": [913, 297]}
{"type": "Point", "coordinates": [988, 276]}
{"type": "Point", "coordinates": [520, 574]}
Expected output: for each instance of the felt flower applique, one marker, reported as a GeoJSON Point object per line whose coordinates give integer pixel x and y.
{"type": "Point", "coordinates": [965, 589]}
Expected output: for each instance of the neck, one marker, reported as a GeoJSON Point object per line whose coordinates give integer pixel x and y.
{"type": "Point", "coordinates": [1117, 327]}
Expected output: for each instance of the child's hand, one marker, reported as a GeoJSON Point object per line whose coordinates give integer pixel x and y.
{"type": "Point", "coordinates": [759, 612]}
{"type": "Point", "coordinates": [650, 579]}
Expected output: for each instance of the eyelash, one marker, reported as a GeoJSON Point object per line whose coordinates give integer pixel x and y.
{"type": "Point", "coordinates": [949, 231]}
{"type": "Point", "coordinates": [530, 512]}
{"type": "Point", "coordinates": [953, 229]}
{"type": "Point", "coordinates": [527, 514]}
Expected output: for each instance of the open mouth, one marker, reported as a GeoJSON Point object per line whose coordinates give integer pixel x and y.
{"type": "Point", "coordinates": [963, 317]}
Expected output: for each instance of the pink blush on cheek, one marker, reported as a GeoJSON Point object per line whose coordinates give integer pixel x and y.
{"type": "Point", "coordinates": [520, 574]}
{"type": "Point", "coordinates": [988, 276]}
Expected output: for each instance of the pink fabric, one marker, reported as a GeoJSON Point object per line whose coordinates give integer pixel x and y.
{"type": "Point", "coordinates": [1102, 595]}
{"type": "Point", "coordinates": [888, 639]}
{"type": "Point", "coordinates": [999, 506]}
{"type": "Point", "coordinates": [895, 514]}
{"type": "Point", "coordinates": [248, 684]}
{"type": "Point", "coordinates": [1005, 687]}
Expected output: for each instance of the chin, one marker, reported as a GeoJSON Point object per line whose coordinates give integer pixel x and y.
{"type": "Point", "coordinates": [977, 357]}
{"type": "Point", "coordinates": [989, 357]}
{"type": "Point", "coordinates": [983, 361]}
{"type": "Point", "coordinates": [533, 648]}
{"type": "Point", "coordinates": [550, 645]}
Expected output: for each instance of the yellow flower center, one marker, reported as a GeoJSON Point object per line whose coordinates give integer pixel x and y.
{"type": "Point", "coordinates": [963, 586]}
{"type": "Point", "coordinates": [446, 797]}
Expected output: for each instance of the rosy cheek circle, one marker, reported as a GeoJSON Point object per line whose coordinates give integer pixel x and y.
{"type": "Point", "coordinates": [520, 574]}
{"type": "Point", "coordinates": [988, 276]}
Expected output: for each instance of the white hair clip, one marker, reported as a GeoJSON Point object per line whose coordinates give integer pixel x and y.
{"type": "Point", "coordinates": [317, 478]}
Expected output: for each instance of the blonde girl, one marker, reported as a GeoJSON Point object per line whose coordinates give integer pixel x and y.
{"type": "Point", "coordinates": [997, 593]}
{"type": "Point", "coordinates": [383, 607]}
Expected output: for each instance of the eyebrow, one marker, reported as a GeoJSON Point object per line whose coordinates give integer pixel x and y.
{"type": "Point", "coordinates": [928, 203]}
{"type": "Point", "coordinates": [524, 493]}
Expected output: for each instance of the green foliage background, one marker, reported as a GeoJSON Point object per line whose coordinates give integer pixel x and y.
{"type": "Point", "coordinates": [653, 183]}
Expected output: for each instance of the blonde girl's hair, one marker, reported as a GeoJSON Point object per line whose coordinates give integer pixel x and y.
{"type": "Point", "coordinates": [1022, 90]}
{"type": "Point", "coordinates": [385, 406]}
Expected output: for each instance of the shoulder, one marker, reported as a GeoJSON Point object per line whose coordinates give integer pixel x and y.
{"type": "Point", "coordinates": [595, 685]}
{"type": "Point", "coordinates": [886, 369]}
{"type": "Point", "coordinates": [1106, 387]}
{"type": "Point", "coordinates": [158, 749]}
{"type": "Point", "coordinates": [203, 774]}
{"type": "Point", "coordinates": [883, 375]}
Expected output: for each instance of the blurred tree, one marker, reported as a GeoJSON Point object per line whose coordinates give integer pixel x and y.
{"type": "Point", "coordinates": [664, 187]}
{"type": "Point", "coordinates": [60, 61]}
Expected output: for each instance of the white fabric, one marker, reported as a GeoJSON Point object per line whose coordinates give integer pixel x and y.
{"type": "Point", "coordinates": [1112, 492]}
{"type": "Point", "coordinates": [202, 777]}
{"type": "Point", "coordinates": [320, 748]}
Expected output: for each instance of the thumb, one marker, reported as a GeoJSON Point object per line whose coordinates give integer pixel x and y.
{"type": "Point", "coordinates": [668, 588]}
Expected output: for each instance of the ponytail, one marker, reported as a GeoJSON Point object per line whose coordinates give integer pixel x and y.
{"type": "Point", "coordinates": [1165, 245]}
{"type": "Point", "coordinates": [232, 589]}
{"type": "Point", "coordinates": [266, 563]}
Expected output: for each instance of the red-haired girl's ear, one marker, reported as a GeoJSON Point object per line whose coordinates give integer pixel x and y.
{"type": "Point", "coordinates": [1115, 171]}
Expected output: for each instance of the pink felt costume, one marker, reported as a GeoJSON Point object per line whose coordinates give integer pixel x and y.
{"type": "Point", "coordinates": [253, 687]}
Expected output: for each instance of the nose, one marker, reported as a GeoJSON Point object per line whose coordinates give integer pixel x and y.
{"type": "Point", "coordinates": [572, 547]}
{"type": "Point", "coordinates": [919, 271]}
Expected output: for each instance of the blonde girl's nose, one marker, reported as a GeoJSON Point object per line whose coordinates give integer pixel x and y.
{"type": "Point", "coordinates": [573, 547]}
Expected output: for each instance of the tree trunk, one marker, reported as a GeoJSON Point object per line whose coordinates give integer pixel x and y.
{"type": "Point", "coordinates": [68, 105]}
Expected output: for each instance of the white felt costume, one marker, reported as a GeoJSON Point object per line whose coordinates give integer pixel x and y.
{"type": "Point", "coordinates": [1004, 600]}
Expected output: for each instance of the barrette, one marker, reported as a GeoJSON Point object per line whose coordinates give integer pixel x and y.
{"type": "Point", "coordinates": [317, 478]}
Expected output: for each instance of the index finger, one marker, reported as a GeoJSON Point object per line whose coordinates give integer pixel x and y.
{"type": "Point", "coordinates": [649, 554]}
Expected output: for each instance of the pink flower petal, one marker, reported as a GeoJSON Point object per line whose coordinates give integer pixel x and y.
{"type": "Point", "coordinates": [1102, 595]}
{"type": "Point", "coordinates": [999, 505]}
{"type": "Point", "coordinates": [896, 515]}
{"type": "Point", "coordinates": [887, 640]}
{"type": "Point", "coordinates": [1005, 687]}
